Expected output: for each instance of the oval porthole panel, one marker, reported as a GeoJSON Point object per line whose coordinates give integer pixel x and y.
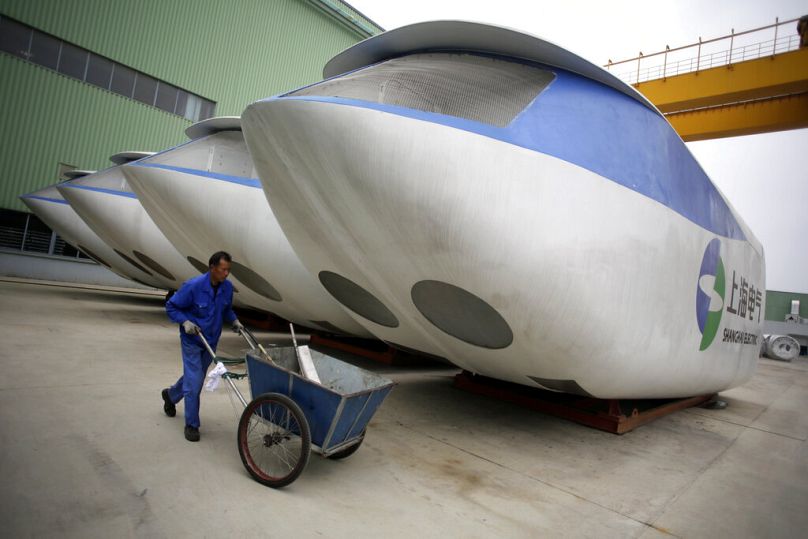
{"type": "Point", "coordinates": [357, 299]}
{"type": "Point", "coordinates": [135, 264]}
{"type": "Point", "coordinates": [253, 281]}
{"type": "Point", "coordinates": [92, 255]}
{"type": "Point", "coordinates": [200, 266]}
{"type": "Point", "coordinates": [461, 314]}
{"type": "Point", "coordinates": [328, 326]}
{"type": "Point", "coordinates": [151, 263]}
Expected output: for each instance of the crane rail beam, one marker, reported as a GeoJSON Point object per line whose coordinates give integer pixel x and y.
{"type": "Point", "coordinates": [751, 117]}
{"type": "Point", "coordinates": [782, 74]}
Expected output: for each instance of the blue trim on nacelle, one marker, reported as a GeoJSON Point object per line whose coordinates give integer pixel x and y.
{"type": "Point", "coordinates": [46, 199]}
{"type": "Point", "coordinates": [611, 134]}
{"type": "Point", "coordinates": [100, 190]}
{"type": "Point", "coordinates": [241, 180]}
{"type": "Point", "coordinates": [602, 130]}
{"type": "Point", "coordinates": [492, 131]}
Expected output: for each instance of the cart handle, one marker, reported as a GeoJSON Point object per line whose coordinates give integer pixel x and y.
{"type": "Point", "coordinates": [207, 346]}
{"type": "Point", "coordinates": [229, 381]}
{"type": "Point", "coordinates": [249, 337]}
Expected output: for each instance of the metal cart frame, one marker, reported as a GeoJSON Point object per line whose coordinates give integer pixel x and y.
{"type": "Point", "coordinates": [291, 415]}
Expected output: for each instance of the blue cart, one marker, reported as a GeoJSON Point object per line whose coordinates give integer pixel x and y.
{"type": "Point", "coordinates": [290, 415]}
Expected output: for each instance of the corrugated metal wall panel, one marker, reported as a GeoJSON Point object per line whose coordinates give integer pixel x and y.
{"type": "Point", "coordinates": [49, 119]}
{"type": "Point", "coordinates": [232, 52]}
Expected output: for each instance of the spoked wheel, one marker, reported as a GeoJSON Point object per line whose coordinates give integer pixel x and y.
{"type": "Point", "coordinates": [274, 440]}
{"type": "Point", "coordinates": [347, 452]}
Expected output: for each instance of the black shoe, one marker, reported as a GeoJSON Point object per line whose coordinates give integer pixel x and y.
{"type": "Point", "coordinates": [191, 433]}
{"type": "Point", "coordinates": [168, 406]}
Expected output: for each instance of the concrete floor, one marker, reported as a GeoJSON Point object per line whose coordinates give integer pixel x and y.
{"type": "Point", "coordinates": [86, 451]}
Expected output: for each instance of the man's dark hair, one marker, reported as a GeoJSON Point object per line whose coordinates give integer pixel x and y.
{"type": "Point", "coordinates": [217, 257]}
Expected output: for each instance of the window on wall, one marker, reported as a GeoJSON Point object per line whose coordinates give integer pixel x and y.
{"type": "Point", "coordinates": [99, 71]}
{"type": "Point", "coordinates": [12, 228]}
{"type": "Point", "coordinates": [123, 80]}
{"type": "Point", "coordinates": [22, 231]}
{"type": "Point", "coordinates": [45, 50]}
{"type": "Point", "coordinates": [62, 248]}
{"type": "Point", "coordinates": [145, 89]}
{"type": "Point", "coordinates": [15, 38]}
{"type": "Point", "coordinates": [73, 61]}
{"type": "Point", "coordinates": [25, 232]}
{"type": "Point", "coordinates": [37, 236]}
{"type": "Point", "coordinates": [205, 108]}
{"type": "Point", "coordinates": [166, 97]}
{"type": "Point", "coordinates": [51, 52]}
{"type": "Point", "coordinates": [182, 103]}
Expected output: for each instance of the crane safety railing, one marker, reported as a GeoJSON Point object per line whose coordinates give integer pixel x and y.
{"type": "Point", "coordinates": [660, 65]}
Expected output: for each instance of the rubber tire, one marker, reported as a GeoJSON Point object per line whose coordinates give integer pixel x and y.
{"type": "Point", "coordinates": [305, 436]}
{"type": "Point", "coordinates": [348, 451]}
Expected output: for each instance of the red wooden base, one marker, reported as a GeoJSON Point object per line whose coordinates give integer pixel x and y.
{"type": "Point", "coordinates": [262, 320]}
{"type": "Point", "coordinates": [611, 415]}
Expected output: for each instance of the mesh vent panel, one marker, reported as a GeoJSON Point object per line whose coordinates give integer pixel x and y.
{"type": "Point", "coordinates": [483, 89]}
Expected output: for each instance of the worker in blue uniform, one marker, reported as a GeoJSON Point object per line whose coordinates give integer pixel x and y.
{"type": "Point", "coordinates": [201, 305]}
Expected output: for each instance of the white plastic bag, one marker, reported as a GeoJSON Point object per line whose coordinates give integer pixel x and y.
{"type": "Point", "coordinates": [214, 376]}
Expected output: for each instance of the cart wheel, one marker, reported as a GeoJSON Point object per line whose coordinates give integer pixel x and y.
{"type": "Point", "coordinates": [274, 440]}
{"type": "Point", "coordinates": [348, 451]}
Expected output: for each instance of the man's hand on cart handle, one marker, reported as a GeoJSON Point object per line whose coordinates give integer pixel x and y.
{"type": "Point", "coordinates": [237, 326]}
{"type": "Point", "coordinates": [190, 328]}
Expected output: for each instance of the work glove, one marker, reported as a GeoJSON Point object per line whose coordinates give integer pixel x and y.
{"type": "Point", "coordinates": [237, 326]}
{"type": "Point", "coordinates": [190, 328]}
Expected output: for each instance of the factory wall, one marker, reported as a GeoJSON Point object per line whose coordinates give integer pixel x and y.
{"type": "Point", "coordinates": [52, 119]}
{"type": "Point", "coordinates": [778, 304]}
{"type": "Point", "coordinates": [231, 53]}
{"type": "Point", "coordinates": [66, 270]}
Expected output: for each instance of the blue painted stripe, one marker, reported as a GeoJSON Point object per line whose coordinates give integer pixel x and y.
{"type": "Point", "coordinates": [101, 190]}
{"type": "Point", "coordinates": [602, 130]}
{"type": "Point", "coordinates": [611, 134]}
{"type": "Point", "coordinates": [46, 199]}
{"type": "Point", "coordinates": [492, 131]}
{"type": "Point", "coordinates": [241, 180]}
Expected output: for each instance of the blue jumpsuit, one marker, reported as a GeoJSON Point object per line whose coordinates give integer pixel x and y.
{"type": "Point", "coordinates": [197, 301]}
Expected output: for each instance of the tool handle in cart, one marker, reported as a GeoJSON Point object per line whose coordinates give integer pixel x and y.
{"type": "Point", "coordinates": [253, 342]}
{"type": "Point", "coordinates": [303, 354]}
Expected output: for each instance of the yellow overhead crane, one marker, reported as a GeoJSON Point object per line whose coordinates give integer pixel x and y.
{"type": "Point", "coordinates": [741, 90]}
